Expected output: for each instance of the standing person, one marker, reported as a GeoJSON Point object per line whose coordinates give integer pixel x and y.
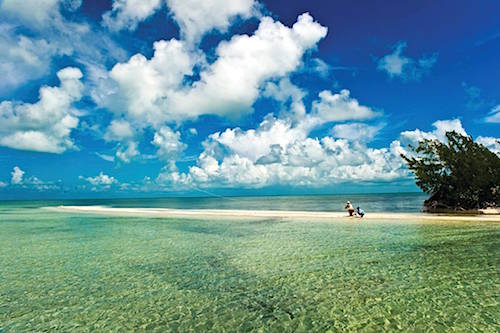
{"type": "Point", "coordinates": [349, 208]}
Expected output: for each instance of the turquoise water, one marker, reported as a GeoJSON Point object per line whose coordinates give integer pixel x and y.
{"type": "Point", "coordinates": [76, 272]}
{"type": "Point", "coordinates": [393, 202]}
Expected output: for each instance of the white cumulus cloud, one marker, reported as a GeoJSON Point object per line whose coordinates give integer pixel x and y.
{"type": "Point", "coordinates": [102, 181]}
{"type": "Point", "coordinates": [439, 132]}
{"type": "Point", "coordinates": [230, 85]}
{"type": "Point", "coordinates": [194, 17]}
{"type": "Point", "coordinates": [142, 86]}
{"type": "Point", "coordinates": [153, 91]}
{"type": "Point", "coordinates": [46, 125]}
{"type": "Point", "coordinates": [281, 152]}
{"type": "Point", "coordinates": [127, 14]}
{"type": "Point", "coordinates": [340, 107]}
{"type": "Point", "coordinates": [32, 183]}
{"type": "Point", "coordinates": [17, 175]}
{"type": "Point", "coordinates": [119, 130]}
{"type": "Point", "coordinates": [169, 143]}
{"type": "Point", "coordinates": [197, 17]}
{"type": "Point", "coordinates": [311, 162]}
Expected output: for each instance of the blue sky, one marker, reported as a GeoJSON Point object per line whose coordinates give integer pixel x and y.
{"type": "Point", "coordinates": [170, 97]}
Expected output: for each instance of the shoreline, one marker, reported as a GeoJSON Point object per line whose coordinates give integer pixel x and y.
{"type": "Point", "coordinates": [232, 213]}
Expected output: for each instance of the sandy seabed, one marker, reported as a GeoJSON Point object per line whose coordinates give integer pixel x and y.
{"type": "Point", "coordinates": [98, 268]}
{"type": "Point", "coordinates": [219, 213]}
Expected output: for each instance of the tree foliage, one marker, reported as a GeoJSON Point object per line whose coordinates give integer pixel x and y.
{"type": "Point", "coordinates": [459, 174]}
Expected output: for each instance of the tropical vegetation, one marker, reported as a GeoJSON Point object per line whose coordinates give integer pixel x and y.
{"type": "Point", "coordinates": [459, 174]}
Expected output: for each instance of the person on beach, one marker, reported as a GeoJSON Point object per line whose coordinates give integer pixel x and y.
{"type": "Point", "coordinates": [360, 212]}
{"type": "Point", "coordinates": [349, 208]}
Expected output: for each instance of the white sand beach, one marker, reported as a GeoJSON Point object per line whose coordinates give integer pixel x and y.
{"type": "Point", "coordinates": [219, 213]}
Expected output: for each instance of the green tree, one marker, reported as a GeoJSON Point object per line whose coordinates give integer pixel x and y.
{"type": "Point", "coordinates": [459, 174]}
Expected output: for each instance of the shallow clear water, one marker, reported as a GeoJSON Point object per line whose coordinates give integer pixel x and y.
{"type": "Point", "coordinates": [74, 272]}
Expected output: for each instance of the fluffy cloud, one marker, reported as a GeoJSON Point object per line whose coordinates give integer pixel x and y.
{"type": "Point", "coordinates": [254, 144]}
{"type": "Point", "coordinates": [408, 69]}
{"type": "Point", "coordinates": [140, 86]}
{"type": "Point", "coordinates": [17, 176]}
{"type": "Point", "coordinates": [18, 180]}
{"type": "Point", "coordinates": [127, 14]}
{"type": "Point", "coordinates": [136, 90]}
{"type": "Point", "coordinates": [494, 115]}
{"type": "Point", "coordinates": [101, 179]}
{"type": "Point", "coordinates": [339, 107]}
{"type": "Point", "coordinates": [439, 132]}
{"type": "Point", "coordinates": [46, 125]}
{"type": "Point", "coordinates": [312, 162]}
{"type": "Point", "coordinates": [231, 85]}
{"type": "Point", "coordinates": [196, 17]}
{"type": "Point", "coordinates": [3, 184]}
{"type": "Point", "coordinates": [280, 151]}
{"type": "Point", "coordinates": [276, 134]}
{"type": "Point", "coordinates": [119, 130]}
{"type": "Point", "coordinates": [154, 91]}
{"type": "Point", "coordinates": [168, 143]}
{"type": "Point", "coordinates": [101, 182]}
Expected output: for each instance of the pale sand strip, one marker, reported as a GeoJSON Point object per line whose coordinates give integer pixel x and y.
{"type": "Point", "coordinates": [219, 213]}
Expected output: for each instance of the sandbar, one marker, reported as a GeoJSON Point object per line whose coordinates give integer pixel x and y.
{"type": "Point", "coordinates": [227, 213]}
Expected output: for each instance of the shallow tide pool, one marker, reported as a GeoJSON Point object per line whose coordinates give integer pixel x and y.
{"type": "Point", "coordinates": [75, 272]}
